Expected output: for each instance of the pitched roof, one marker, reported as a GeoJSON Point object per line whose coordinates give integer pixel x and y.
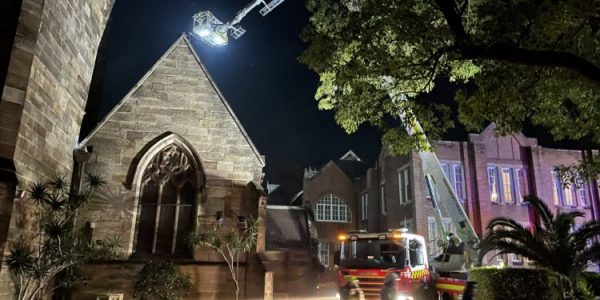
{"type": "Point", "coordinates": [352, 168]}
{"type": "Point", "coordinates": [350, 155]}
{"type": "Point", "coordinates": [286, 228]}
{"type": "Point", "coordinates": [182, 39]}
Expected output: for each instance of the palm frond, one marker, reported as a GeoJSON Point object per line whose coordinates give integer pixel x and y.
{"type": "Point", "coordinates": [504, 222]}
{"type": "Point", "coordinates": [58, 183]}
{"type": "Point", "coordinates": [20, 259]}
{"type": "Point", "coordinates": [93, 180]}
{"type": "Point", "coordinates": [37, 192]}
{"type": "Point", "coordinates": [536, 246]}
{"type": "Point", "coordinates": [511, 247]}
{"type": "Point", "coordinates": [590, 254]}
{"type": "Point", "coordinates": [541, 209]}
{"type": "Point", "coordinates": [587, 231]}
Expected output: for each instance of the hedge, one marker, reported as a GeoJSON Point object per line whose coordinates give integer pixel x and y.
{"type": "Point", "coordinates": [512, 283]}
{"type": "Point", "coordinates": [593, 280]}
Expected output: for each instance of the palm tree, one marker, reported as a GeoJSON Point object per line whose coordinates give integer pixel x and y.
{"type": "Point", "coordinates": [555, 245]}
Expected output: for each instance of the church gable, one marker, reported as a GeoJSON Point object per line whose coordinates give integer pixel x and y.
{"type": "Point", "coordinates": [177, 95]}
{"type": "Point", "coordinates": [173, 130]}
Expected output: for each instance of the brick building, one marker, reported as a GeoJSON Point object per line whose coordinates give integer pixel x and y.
{"type": "Point", "coordinates": [490, 174]}
{"type": "Point", "coordinates": [332, 194]}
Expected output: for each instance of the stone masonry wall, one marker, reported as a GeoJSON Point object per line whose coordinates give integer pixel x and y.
{"type": "Point", "coordinates": [47, 82]}
{"type": "Point", "coordinates": [176, 96]}
{"type": "Point", "coordinates": [44, 93]}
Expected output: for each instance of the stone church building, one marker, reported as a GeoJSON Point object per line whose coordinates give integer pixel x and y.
{"type": "Point", "coordinates": [173, 153]}
{"type": "Point", "coordinates": [176, 158]}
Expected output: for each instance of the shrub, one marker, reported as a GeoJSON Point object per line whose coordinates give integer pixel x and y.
{"type": "Point", "coordinates": [161, 280]}
{"type": "Point", "coordinates": [593, 280]}
{"type": "Point", "coordinates": [511, 283]}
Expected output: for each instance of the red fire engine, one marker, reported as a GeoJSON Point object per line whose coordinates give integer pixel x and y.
{"type": "Point", "coordinates": [390, 265]}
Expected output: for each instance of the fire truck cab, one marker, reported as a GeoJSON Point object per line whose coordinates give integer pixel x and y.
{"type": "Point", "coordinates": [388, 265]}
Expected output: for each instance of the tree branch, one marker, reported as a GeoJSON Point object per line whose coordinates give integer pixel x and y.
{"type": "Point", "coordinates": [454, 21]}
{"type": "Point", "coordinates": [534, 58]}
{"type": "Point", "coordinates": [510, 53]}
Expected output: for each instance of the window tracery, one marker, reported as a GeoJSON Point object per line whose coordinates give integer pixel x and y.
{"type": "Point", "coordinates": [167, 199]}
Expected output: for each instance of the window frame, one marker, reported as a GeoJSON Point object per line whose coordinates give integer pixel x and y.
{"type": "Point", "coordinates": [522, 184]}
{"type": "Point", "coordinates": [175, 184]}
{"type": "Point", "coordinates": [449, 167]}
{"type": "Point", "coordinates": [364, 200]}
{"type": "Point", "coordinates": [459, 186]}
{"type": "Point", "coordinates": [323, 250]}
{"type": "Point", "coordinates": [583, 189]}
{"type": "Point", "coordinates": [493, 184]}
{"type": "Point", "coordinates": [448, 226]}
{"type": "Point", "coordinates": [405, 193]}
{"type": "Point", "coordinates": [569, 194]}
{"type": "Point", "coordinates": [329, 209]}
{"type": "Point", "coordinates": [560, 193]}
{"type": "Point", "coordinates": [508, 196]}
{"type": "Point", "coordinates": [509, 191]}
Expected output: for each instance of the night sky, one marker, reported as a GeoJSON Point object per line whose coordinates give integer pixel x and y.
{"type": "Point", "coordinates": [260, 76]}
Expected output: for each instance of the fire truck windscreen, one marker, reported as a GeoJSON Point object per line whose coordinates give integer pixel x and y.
{"type": "Point", "coordinates": [380, 254]}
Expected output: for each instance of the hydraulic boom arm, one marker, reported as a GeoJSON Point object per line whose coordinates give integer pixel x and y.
{"type": "Point", "coordinates": [440, 188]}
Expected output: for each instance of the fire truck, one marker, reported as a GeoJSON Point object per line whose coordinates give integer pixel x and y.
{"type": "Point", "coordinates": [391, 265]}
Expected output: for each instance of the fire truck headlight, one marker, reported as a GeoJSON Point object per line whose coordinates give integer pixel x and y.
{"type": "Point", "coordinates": [403, 297]}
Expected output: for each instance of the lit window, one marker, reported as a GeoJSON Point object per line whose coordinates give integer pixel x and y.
{"type": "Point", "coordinates": [582, 193]}
{"type": "Point", "coordinates": [332, 209]}
{"type": "Point", "coordinates": [507, 185]}
{"type": "Point", "coordinates": [493, 184]}
{"type": "Point", "coordinates": [382, 199]}
{"type": "Point", "coordinates": [569, 199]}
{"type": "Point", "coordinates": [522, 182]}
{"type": "Point", "coordinates": [323, 250]}
{"type": "Point", "coordinates": [557, 190]}
{"type": "Point", "coordinates": [404, 185]}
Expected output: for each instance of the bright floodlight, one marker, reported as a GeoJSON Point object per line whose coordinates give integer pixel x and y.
{"type": "Point", "coordinates": [210, 29]}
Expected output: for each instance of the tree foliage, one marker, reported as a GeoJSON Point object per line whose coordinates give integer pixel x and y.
{"type": "Point", "coordinates": [57, 247]}
{"type": "Point", "coordinates": [518, 60]}
{"type": "Point", "coordinates": [161, 280]}
{"type": "Point", "coordinates": [230, 243]}
{"type": "Point", "coordinates": [555, 244]}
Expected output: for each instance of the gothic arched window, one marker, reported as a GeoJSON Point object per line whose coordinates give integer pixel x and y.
{"type": "Point", "coordinates": [167, 198]}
